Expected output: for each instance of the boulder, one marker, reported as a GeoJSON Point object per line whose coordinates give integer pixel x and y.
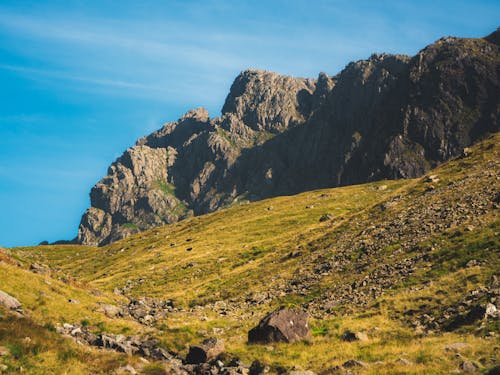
{"type": "Point", "coordinates": [491, 311]}
{"type": "Point", "coordinates": [206, 351]}
{"type": "Point", "coordinates": [456, 347]}
{"type": "Point", "coordinates": [326, 217]}
{"type": "Point", "coordinates": [354, 363]}
{"type": "Point", "coordinates": [111, 311]}
{"type": "Point", "coordinates": [258, 368]}
{"type": "Point", "coordinates": [281, 325]}
{"type": "Point", "coordinates": [39, 268]}
{"type": "Point", "coordinates": [404, 361]}
{"type": "Point", "coordinates": [350, 336]}
{"type": "Point", "coordinates": [8, 301]}
{"type": "Point", "coordinates": [128, 369]}
{"type": "Point", "coordinates": [494, 371]}
{"type": "Point", "coordinates": [468, 366]}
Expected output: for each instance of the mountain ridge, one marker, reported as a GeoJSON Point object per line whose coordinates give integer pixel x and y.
{"type": "Point", "coordinates": [390, 116]}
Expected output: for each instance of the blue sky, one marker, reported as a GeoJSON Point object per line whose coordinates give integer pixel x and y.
{"type": "Point", "coordinates": [80, 81]}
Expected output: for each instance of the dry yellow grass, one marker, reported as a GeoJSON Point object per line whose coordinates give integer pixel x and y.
{"type": "Point", "coordinates": [243, 250]}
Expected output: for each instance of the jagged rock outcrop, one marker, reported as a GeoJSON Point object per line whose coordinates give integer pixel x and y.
{"type": "Point", "coordinates": [270, 102]}
{"type": "Point", "coordinates": [390, 116]}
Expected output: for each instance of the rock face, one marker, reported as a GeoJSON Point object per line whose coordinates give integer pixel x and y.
{"type": "Point", "coordinates": [390, 116]}
{"type": "Point", "coordinates": [281, 325]}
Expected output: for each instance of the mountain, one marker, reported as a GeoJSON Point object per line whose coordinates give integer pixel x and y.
{"type": "Point", "coordinates": [390, 116]}
{"type": "Point", "coordinates": [396, 276]}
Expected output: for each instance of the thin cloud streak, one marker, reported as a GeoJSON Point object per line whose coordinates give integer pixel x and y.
{"type": "Point", "coordinates": [228, 50]}
{"type": "Point", "coordinates": [70, 77]}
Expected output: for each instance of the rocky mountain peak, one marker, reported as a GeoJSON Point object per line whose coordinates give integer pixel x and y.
{"type": "Point", "coordinates": [198, 114]}
{"type": "Point", "coordinates": [389, 116]}
{"type": "Point", "coordinates": [267, 101]}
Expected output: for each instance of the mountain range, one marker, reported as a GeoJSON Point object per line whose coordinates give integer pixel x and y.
{"type": "Point", "coordinates": [387, 117]}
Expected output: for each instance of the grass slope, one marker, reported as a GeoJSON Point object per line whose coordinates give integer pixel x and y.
{"type": "Point", "coordinates": [410, 241]}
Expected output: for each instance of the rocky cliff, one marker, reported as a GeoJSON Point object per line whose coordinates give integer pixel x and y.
{"type": "Point", "coordinates": [390, 116]}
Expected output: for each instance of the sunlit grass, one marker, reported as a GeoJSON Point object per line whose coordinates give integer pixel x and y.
{"type": "Point", "coordinates": [245, 249]}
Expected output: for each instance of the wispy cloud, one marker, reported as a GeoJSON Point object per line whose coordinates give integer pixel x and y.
{"type": "Point", "coordinates": [95, 81]}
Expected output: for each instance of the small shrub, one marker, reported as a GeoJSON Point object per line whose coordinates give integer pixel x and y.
{"type": "Point", "coordinates": [321, 330]}
{"type": "Point", "coordinates": [423, 357]}
{"type": "Point", "coordinates": [16, 350]}
{"type": "Point", "coordinates": [84, 322]}
{"type": "Point", "coordinates": [50, 327]}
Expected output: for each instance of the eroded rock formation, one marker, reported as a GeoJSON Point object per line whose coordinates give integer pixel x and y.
{"type": "Point", "coordinates": [390, 116]}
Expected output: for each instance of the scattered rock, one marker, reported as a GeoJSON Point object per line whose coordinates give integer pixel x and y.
{"type": "Point", "coordinates": [39, 268]}
{"type": "Point", "coordinates": [494, 371]}
{"type": "Point", "coordinates": [128, 369]}
{"type": "Point", "coordinates": [404, 361]}
{"type": "Point", "coordinates": [147, 347]}
{"type": "Point", "coordinates": [472, 263]}
{"type": "Point", "coordinates": [456, 347]}
{"type": "Point", "coordinates": [258, 368]}
{"type": "Point", "coordinates": [4, 351]}
{"type": "Point", "coordinates": [148, 310]}
{"type": "Point", "coordinates": [111, 311]}
{"type": "Point", "coordinates": [206, 351]}
{"type": "Point", "coordinates": [432, 178]}
{"type": "Point", "coordinates": [468, 366]}
{"type": "Point", "coordinates": [491, 311]}
{"type": "Point", "coordinates": [349, 336]}
{"type": "Point", "coordinates": [8, 301]}
{"type": "Point", "coordinates": [354, 363]}
{"type": "Point", "coordinates": [283, 324]}
{"type": "Point", "coordinates": [326, 217]}
{"type": "Point", "coordinates": [467, 151]}
{"type": "Point", "coordinates": [294, 254]}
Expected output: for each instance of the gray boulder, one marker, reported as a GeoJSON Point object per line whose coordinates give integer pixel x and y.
{"type": "Point", "coordinates": [281, 325]}
{"type": "Point", "coordinates": [8, 301]}
{"type": "Point", "coordinates": [111, 311]}
{"type": "Point", "coordinates": [349, 336]}
{"type": "Point", "coordinates": [206, 351]}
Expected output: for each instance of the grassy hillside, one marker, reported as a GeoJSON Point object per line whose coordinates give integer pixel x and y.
{"type": "Point", "coordinates": [387, 258]}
